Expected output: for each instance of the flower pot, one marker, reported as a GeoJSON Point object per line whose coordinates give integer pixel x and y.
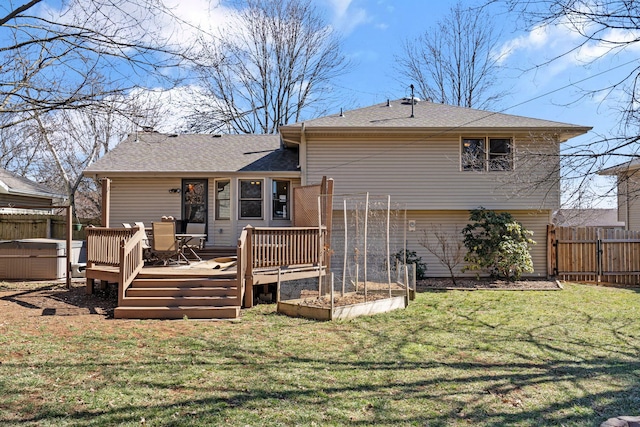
{"type": "Point", "coordinates": [77, 227]}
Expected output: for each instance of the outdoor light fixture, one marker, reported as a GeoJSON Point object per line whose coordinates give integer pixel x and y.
{"type": "Point", "coordinates": [174, 190]}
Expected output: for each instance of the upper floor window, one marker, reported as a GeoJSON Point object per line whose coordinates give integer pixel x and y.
{"type": "Point", "coordinates": [250, 198]}
{"type": "Point", "coordinates": [280, 197]}
{"type": "Point", "coordinates": [481, 154]}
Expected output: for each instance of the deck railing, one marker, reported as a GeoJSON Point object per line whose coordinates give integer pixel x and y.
{"type": "Point", "coordinates": [116, 247]}
{"type": "Point", "coordinates": [103, 245]}
{"type": "Point", "coordinates": [280, 246]}
{"type": "Point", "coordinates": [271, 247]}
{"type": "Point", "coordinates": [131, 262]}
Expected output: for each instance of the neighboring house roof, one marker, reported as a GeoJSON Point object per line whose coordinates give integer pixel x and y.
{"type": "Point", "coordinates": [631, 165]}
{"type": "Point", "coordinates": [12, 183]}
{"type": "Point", "coordinates": [587, 218]}
{"type": "Point", "coordinates": [151, 152]}
{"type": "Point", "coordinates": [428, 116]}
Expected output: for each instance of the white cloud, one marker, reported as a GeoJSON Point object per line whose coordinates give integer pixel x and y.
{"type": "Point", "coordinates": [346, 16]}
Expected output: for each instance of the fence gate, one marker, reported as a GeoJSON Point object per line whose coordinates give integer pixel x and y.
{"type": "Point", "coordinates": [591, 254]}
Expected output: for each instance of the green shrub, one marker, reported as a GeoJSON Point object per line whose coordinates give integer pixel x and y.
{"type": "Point", "coordinates": [497, 244]}
{"type": "Point", "coordinates": [412, 258]}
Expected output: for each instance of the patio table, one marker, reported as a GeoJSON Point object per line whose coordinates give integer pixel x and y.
{"type": "Point", "coordinates": [184, 239]}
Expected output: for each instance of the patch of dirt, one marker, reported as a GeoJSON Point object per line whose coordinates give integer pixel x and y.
{"type": "Point", "coordinates": [446, 283]}
{"type": "Point", "coordinates": [52, 298]}
{"type": "Point", "coordinates": [311, 299]}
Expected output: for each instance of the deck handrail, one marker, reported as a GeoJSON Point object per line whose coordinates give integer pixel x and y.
{"type": "Point", "coordinates": [130, 261]}
{"type": "Point", "coordinates": [272, 247]}
{"type": "Point", "coordinates": [284, 246]}
{"type": "Point", "coordinates": [103, 244]}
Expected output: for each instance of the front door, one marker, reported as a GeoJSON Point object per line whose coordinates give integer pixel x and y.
{"type": "Point", "coordinates": [194, 201]}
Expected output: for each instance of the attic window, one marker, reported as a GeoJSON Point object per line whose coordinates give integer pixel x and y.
{"type": "Point", "coordinates": [486, 154]}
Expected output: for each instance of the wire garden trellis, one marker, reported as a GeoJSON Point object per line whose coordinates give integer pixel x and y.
{"type": "Point", "coordinates": [366, 236]}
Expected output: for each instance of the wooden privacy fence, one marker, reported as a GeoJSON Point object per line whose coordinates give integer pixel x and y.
{"type": "Point", "coordinates": [591, 254]}
{"type": "Point", "coordinates": [30, 226]}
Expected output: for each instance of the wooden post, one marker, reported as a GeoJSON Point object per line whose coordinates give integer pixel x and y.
{"type": "Point", "coordinates": [406, 282]}
{"type": "Point", "coordinates": [551, 259]}
{"type": "Point", "coordinates": [332, 302]}
{"type": "Point", "coordinates": [320, 244]}
{"type": "Point", "coordinates": [248, 277]}
{"type": "Point", "coordinates": [366, 223]}
{"type": "Point", "coordinates": [346, 247]}
{"type": "Point", "coordinates": [278, 286]}
{"type": "Point", "coordinates": [328, 222]}
{"type": "Point", "coordinates": [388, 248]}
{"type": "Point", "coordinates": [69, 243]}
{"type": "Point", "coordinates": [106, 202]}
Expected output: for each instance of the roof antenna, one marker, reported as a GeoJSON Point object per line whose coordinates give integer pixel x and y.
{"type": "Point", "coordinates": [412, 101]}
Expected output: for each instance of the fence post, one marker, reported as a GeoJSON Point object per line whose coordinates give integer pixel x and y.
{"type": "Point", "coordinates": [551, 259]}
{"type": "Point", "coordinates": [598, 255]}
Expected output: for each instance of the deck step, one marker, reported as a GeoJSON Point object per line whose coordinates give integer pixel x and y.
{"type": "Point", "coordinates": [191, 282]}
{"type": "Point", "coordinates": [195, 301]}
{"type": "Point", "coordinates": [178, 312]}
{"type": "Point", "coordinates": [182, 291]}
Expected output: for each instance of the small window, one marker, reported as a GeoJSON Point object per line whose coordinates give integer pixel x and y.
{"type": "Point", "coordinates": [250, 198]}
{"type": "Point", "coordinates": [223, 199]}
{"type": "Point", "coordinates": [486, 154]}
{"type": "Point", "coordinates": [499, 154]}
{"type": "Point", "coordinates": [280, 199]}
{"type": "Point", "coordinates": [473, 154]}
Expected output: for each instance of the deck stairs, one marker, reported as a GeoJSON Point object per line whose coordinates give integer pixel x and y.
{"type": "Point", "coordinates": [163, 296]}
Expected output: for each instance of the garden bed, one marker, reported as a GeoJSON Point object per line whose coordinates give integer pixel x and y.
{"type": "Point", "coordinates": [379, 298]}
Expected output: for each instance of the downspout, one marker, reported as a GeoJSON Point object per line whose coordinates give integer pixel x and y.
{"type": "Point", "coordinates": [302, 153]}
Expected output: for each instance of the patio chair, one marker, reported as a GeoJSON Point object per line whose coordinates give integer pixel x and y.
{"type": "Point", "coordinates": [165, 246]}
{"type": "Point", "coordinates": [146, 247]}
{"type": "Point", "coordinates": [196, 228]}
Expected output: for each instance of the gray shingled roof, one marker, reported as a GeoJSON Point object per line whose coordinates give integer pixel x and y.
{"type": "Point", "coordinates": [13, 183]}
{"type": "Point", "coordinates": [428, 115]}
{"type": "Point", "coordinates": [622, 168]}
{"type": "Point", "coordinates": [156, 152]}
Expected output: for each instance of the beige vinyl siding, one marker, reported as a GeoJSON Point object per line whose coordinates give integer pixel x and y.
{"type": "Point", "coordinates": [148, 199]}
{"type": "Point", "coordinates": [143, 199]}
{"type": "Point", "coordinates": [452, 223]}
{"type": "Point", "coordinates": [629, 201]}
{"type": "Point", "coordinates": [425, 174]}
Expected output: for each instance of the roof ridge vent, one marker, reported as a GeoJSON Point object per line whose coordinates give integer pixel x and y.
{"type": "Point", "coordinates": [407, 100]}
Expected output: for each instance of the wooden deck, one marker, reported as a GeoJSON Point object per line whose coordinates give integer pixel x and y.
{"type": "Point", "coordinates": [201, 290]}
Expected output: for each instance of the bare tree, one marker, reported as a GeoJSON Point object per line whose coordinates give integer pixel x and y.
{"type": "Point", "coordinates": [67, 72]}
{"type": "Point", "coordinates": [446, 246]}
{"type": "Point", "coordinates": [69, 58]}
{"type": "Point", "coordinates": [455, 62]}
{"type": "Point", "coordinates": [273, 64]}
{"type": "Point", "coordinates": [610, 28]}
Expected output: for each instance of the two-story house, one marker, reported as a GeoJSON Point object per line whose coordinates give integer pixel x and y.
{"type": "Point", "coordinates": [439, 161]}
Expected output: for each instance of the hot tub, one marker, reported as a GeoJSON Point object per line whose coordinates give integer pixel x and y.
{"type": "Point", "coordinates": [38, 259]}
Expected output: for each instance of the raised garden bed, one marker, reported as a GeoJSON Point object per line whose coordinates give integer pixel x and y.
{"type": "Point", "coordinates": [349, 305]}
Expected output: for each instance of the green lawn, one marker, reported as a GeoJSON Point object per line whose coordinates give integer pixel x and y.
{"type": "Point", "coordinates": [484, 358]}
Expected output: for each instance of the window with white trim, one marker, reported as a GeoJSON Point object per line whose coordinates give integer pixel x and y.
{"type": "Point", "coordinates": [250, 198]}
{"type": "Point", "coordinates": [223, 199]}
{"type": "Point", "coordinates": [486, 154]}
{"type": "Point", "coordinates": [280, 197]}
